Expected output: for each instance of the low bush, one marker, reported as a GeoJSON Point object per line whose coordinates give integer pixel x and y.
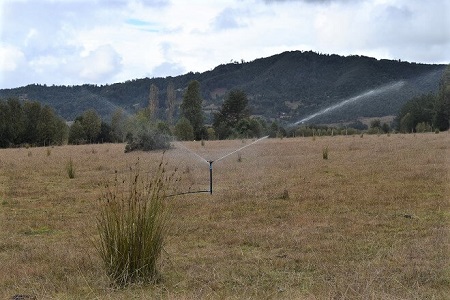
{"type": "Point", "coordinates": [148, 141]}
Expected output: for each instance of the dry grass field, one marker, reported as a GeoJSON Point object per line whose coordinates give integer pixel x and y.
{"type": "Point", "coordinates": [370, 222]}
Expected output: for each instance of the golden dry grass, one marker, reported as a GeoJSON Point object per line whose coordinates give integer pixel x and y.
{"type": "Point", "coordinates": [371, 222]}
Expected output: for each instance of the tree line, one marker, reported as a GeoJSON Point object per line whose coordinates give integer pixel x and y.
{"type": "Point", "coordinates": [29, 123]}
{"type": "Point", "coordinates": [307, 80]}
{"type": "Point", "coordinates": [427, 112]}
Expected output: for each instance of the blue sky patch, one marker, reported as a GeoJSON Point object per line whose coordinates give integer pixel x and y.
{"type": "Point", "coordinates": [137, 22]}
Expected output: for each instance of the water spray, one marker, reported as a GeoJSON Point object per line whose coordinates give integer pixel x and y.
{"type": "Point", "coordinates": [210, 162]}
{"type": "Point", "coordinates": [379, 90]}
{"type": "Point", "coordinates": [242, 148]}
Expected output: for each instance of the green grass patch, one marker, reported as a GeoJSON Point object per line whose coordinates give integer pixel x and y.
{"type": "Point", "coordinates": [37, 231]}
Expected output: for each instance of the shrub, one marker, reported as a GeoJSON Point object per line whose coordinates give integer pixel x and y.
{"type": "Point", "coordinates": [132, 225]}
{"type": "Point", "coordinates": [147, 141]}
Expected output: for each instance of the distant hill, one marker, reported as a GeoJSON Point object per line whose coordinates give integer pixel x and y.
{"type": "Point", "coordinates": [287, 87]}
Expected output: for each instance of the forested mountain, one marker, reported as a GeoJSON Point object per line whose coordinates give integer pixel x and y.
{"type": "Point", "coordinates": [287, 87]}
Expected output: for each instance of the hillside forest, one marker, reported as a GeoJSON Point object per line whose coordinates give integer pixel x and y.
{"type": "Point", "coordinates": [284, 88]}
{"type": "Point", "coordinates": [185, 114]}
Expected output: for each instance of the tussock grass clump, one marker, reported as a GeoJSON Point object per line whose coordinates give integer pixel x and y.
{"type": "Point", "coordinates": [70, 169]}
{"type": "Point", "coordinates": [285, 195]}
{"type": "Point", "coordinates": [325, 153]}
{"type": "Point", "coordinates": [133, 223]}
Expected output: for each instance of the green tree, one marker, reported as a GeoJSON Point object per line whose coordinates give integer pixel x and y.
{"type": "Point", "coordinates": [385, 127]}
{"type": "Point", "coordinates": [118, 121]}
{"type": "Point", "coordinates": [276, 130]}
{"type": "Point", "coordinates": [52, 129]}
{"type": "Point", "coordinates": [153, 101]}
{"type": "Point", "coordinates": [418, 109]}
{"type": "Point", "coordinates": [171, 97]}
{"type": "Point", "coordinates": [77, 135]}
{"type": "Point", "coordinates": [91, 123]}
{"type": "Point", "coordinates": [184, 130]}
{"type": "Point", "coordinates": [222, 130]}
{"type": "Point", "coordinates": [32, 113]}
{"type": "Point", "coordinates": [5, 126]}
{"type": "Point", "coordinates": [211, 133]}
{"type": "Point", "coordinates": [375, 123]}
{"type": "Point", "coordinates": [16, 121]}
{"type": "Point", "coordinates": [233, 115]}
{"type": "Point", "coordinates": [106, 133]}
{"type": "Point", "coordinates": [406, 123]}
{"type": "Point", "coordinates": [163, 128]}
{"type": "Point", "coordinates": [191, 109]}
{"type": "Point", "coordinates": [441, 118]}
{"type": "Point", "coordinates": [29, 123]}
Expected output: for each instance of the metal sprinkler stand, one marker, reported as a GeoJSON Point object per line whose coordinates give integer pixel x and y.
{"type": "Point", "coordinates": [210, 162]}
{"type": "Point", "coordinates": [210, 176]}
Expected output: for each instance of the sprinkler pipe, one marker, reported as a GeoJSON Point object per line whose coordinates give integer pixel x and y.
{"type": "Point", "coordinates": [210, 176]}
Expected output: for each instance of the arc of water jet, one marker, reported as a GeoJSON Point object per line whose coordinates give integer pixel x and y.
{"type": "Point", "coordinates": [241, 148]}
{"type": "Point", "coordinates": [192, 152]}
{"type": "Point", "coordinates": [379, 90]}
{"type": "Point", "coordinates": [210, 162]}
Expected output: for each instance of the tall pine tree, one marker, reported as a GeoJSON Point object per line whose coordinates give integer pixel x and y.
{"type": "Point", "coordinates": [441, 118]}
{"type": "Point", "coordinates": [191, 109]}
{"type": "Point", "coordinates": [153, 102]}
{"type": "Point", "coordinates": [171, 97]}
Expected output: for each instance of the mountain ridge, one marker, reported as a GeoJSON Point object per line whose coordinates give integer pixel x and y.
{"type": "Point", "coordinates": [286, 87]}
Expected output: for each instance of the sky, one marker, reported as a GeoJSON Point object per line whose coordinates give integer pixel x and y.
{"type": "Point", "coordinates": [72, 42]}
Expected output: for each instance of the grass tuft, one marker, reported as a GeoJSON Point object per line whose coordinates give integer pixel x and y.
{"type": "Point", "coordinates": [132, 224]}
{"type": "Point", "coordinates": [70, 169]}
{"type": "Point", "coordinates": [325, 153]}
{"type": "Point", "coordinates": [285, 195]}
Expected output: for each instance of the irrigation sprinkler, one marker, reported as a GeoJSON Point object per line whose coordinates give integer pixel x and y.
{"type": "Point", "coordinates": [210, 176]}
{"type": "Point", "coordinates": [210, 162]}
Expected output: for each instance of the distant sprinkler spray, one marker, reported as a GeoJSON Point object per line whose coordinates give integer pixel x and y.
{"type": "Point", "coordinates": [365, 95]}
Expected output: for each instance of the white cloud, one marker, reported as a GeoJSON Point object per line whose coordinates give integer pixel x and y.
{"type": "Point", "coordinates": [81, 41]}
{"type": "Point", "coordinates": [11, 58]}
{"type": "Point", "coordinates": [99, 65]}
